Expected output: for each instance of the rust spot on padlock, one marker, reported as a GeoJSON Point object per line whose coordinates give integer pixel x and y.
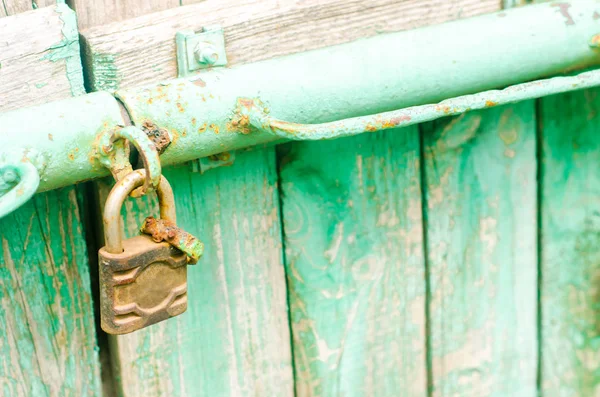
{"type": "Point", "coordinates": [141, 282]}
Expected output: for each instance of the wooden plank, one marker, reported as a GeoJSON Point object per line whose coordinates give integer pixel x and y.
{"type": "Point", "coordinates": [39, 58]}
{"type": "Point", "coordinates": [234, 338]}
{"type": "Point", "coordinates": [480, 183]}
{"type": "Point", "coordinates": [355, 266]}
{"type": "Point", "coordinates": [12, 7]}
{"type": "Point", "coordinates": [570, 237]}
{"type": "Point", "coordinates": [47, 334]}
{"type": "Point", "coordinates": [142, 50]}
{"type": "Point", "coordinates": [100, 12]}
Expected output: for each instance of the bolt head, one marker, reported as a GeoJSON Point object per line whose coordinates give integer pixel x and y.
{"type": "Point", "coordinates": [206, 54]}
{"type": "Point", "coordinates": [10, 175]}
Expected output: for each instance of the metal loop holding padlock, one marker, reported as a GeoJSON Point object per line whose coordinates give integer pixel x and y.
{"type": "Point", "coordinates": [113, 152]}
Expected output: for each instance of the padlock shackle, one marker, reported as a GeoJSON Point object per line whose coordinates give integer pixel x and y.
{"type": "Point", "coordinates": [112, 209]}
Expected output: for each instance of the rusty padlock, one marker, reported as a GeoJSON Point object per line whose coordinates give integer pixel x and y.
{"type": "Point", "coordinates": [142, 282]}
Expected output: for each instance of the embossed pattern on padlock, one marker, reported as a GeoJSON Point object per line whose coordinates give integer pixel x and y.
{"type": "Point", "coordinates": [142, 282]}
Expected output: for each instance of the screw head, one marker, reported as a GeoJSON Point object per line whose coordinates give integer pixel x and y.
{"type": "Point", "coordinates": [9, 175]}
{"type": "Point", "coordinates": [206, 54]}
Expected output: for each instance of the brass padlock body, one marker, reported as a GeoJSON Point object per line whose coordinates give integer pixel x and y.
{"type": "Point", "coordinates": [141, 282]}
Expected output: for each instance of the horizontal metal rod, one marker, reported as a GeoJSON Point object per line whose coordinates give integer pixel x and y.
{"type": "Point", "coordinates": [255, 116]}
{"type": "Point", "coordinates": [369, 76]}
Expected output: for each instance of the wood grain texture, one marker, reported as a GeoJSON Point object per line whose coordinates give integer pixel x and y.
{"type": "Point", "coordinates": [234, 338]}
{"type": "Point", "coordinates": [39, 58]}
{"type": "Point", "coordinates": [142, 50]}
{"type": "Point", "coordinates": [480, 173]}
{"type": "Point", "coordinates": [47, 334]}
{"type": "Point", "coordinates": [355, 266]}
{"type": "Point", "coordinates": [100, 12]}
{"type": "Point", "coordinates": [12, 7]}
{"type": "Point", "coordinates": [570, 265]}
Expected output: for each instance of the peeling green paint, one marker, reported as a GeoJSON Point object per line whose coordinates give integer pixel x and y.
{"type": "Point", "coordinates": [103, 66]}
{"type": "Point", "coordinates": [68, 49]}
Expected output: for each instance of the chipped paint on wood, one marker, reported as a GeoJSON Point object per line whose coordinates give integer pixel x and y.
{"type": "Point", "coordinates": [44, 44]}
{"type": "Point", "coordinates": [233, 340]}
{"type": "Point", "coordinates": [47, 332]}
{"type": "Point", "coordinates": [67, 49]}
{"type": "Point", "coordinates": [570, 242]}
{"type": "Point", "coordinates": [355, 268]}
{"type": "Point", "coordinates": [481, 238]}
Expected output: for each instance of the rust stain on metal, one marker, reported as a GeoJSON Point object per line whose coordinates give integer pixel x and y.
{"type": "Point", "coordinates": [202, 128]}
{"type": "Point", "coordinates": [199, 83]}
{"type": "Point", "coordinates": [166, 230]}
{"type": "Point", "coordinates": [444, 109]}
{"type": "Point", "coordinates": [240, 123]}
{"type": "Point", "coordinates": [564, 10]}
{"type": "Point", "coordinates": [595, 41]}
{"type": "Point", "coordinates": [50, 137]}
{"type": "Point", "coordinates": [193, 121]}
{"type": "Point", "coordinates": [489, 104]}
{"type": "Point", "coordinates": [240, 120]}
{"type": "Point", "coordinates": [247, 103]}
{"type": "Point", "coordinates": [215, 128]}
{"type": "Point", "coordinates": [159, 136]}
{"type": "Point", "coordinates": [225, 156]}
{"type": "Point", "coordinates": [174, 136]}
{"type": "Point", "coordinates": [394, 121]}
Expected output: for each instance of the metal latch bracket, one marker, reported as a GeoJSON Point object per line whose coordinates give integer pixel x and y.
{"type": "Point", "coordinates": [200, 50]}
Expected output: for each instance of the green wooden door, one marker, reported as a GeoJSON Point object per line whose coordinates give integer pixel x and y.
{"type": "Point", "coordinates": [454, 258]}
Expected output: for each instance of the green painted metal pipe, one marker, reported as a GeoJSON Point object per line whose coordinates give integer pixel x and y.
{"type": "Point", "coordinates": [369, 76]}
{"type": "Point", "coordinates": [63, 134]}
{"type": "Point", "coordinates": [378, 74]}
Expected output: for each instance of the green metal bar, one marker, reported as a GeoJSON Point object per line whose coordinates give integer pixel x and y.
{"type": "Point", "coordinates": [65, 134]}
{"type": "Point", "coordinates": [369, 76]}
{"type": "Point", "coordinates": [254, 115]}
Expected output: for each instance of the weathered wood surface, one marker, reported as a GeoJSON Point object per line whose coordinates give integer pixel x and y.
{"type": "Point", "coordinates": [355, 266]}
{"type": "Point", "coordinates": [47, 334]}
{"type": "Point", "coordinates": [142, 50]}
{"type": "Point", "coordinates": [570, 242]}
{"type": "Point", "coordinates": [39, 57]}
{"type": "Point", "coordinates": [12, 7]}
{"type": "Point", "coordinates": [100, 12]}
{"type": "Point", "coordinates": [234, 338]}
{"type": "Point", "coordinates": [481, 222]}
